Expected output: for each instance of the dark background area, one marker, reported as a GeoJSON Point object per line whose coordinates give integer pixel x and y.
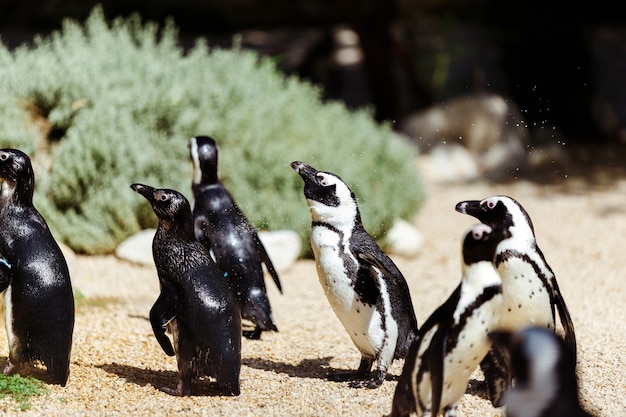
{"type": "Point", "coordinates": [562, 64]}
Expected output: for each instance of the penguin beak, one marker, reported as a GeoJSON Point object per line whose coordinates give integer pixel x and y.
{"type": "Point", "coordinates": [307, 172]}
{"type": "Point", "coordinates": [471, 207]}
{"type": "Point", "coordinates": [144, 190]}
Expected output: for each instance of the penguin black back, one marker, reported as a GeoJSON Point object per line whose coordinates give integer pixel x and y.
{"type": "Point", "coordinates": [195, 303]}
{"type": "Point", "coordinates": [39, 298]}
{"type": "Point", "coordinates": [222, 227]}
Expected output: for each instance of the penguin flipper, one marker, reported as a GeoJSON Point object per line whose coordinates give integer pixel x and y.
{"type": "Point", "coordinates": [374, 262]}
{"type": "Point", "coordinates": [162, 312]}
{"type": "Point", "coordinates": [436, 353]}
{"type": "Point", "coordinates": [265, 258]}
{"type": "Point", "coordinates": [566, 319]}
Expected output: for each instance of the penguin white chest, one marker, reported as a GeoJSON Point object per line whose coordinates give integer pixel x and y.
{"type": "Point", "coordinates": [361, 321]}
{"type": "Point", "coordinates": [526, 300]}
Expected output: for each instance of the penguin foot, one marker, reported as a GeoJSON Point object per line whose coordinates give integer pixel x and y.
{"type": "Point", "coordinates": [252, 334]}
{"type": "Point", "coordinates": [371, 383]}
{"type": "Point", "coordinates": [175, 392]}
{"type": "Point", "coordinates": [183, 389]}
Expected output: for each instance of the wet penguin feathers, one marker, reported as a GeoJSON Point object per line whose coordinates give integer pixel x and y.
{"type": "Point", "coordinates": [545, 371]}
{"type": "Point", "coordinates": [364, 287]}
{"type": "Point", "coordinates": [39, 302]}
{"type": "Point", "coordinates": [195, 303]}
{"type": "Point", "coordinates": [223, 228]}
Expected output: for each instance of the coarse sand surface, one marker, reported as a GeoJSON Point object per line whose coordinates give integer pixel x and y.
{"type": "Point", "coordinates": [118, 368]}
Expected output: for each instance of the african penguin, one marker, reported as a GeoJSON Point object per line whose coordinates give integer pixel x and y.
{"type": "Point", "coordinates": [366, 290]}
{"type": "Point", "coordinates": [195, 303]}
{"type": "Point", "coordinates": [545, 374]}
{"type": "Point", "coordinates": [39, 301]}
{"type": "Point", "coordinates": [454, 339]}
{"type": "Point", "coordinates": [529, 286]}
{"type": "Point", "coordinates": [220, 225]}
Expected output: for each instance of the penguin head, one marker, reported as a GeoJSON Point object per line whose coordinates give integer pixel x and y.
{"type": "Point", "coordinates": [17, 174]}
{"type": "Point", "coordinates": [171, 207]}
{"type": "Point", "coordinates": [481, 242]}
{"type": "Point", "coordinates": [544, 370]}
{"type": "Point", "coordinates": [500, 212]}
{"type": "Point", "coordinates": [328, 197]}
{"type": "Point", "coordinates": [204, 151]}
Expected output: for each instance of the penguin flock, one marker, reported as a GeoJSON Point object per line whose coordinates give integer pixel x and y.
{"type": "Point", "coordinates": [209, 262]}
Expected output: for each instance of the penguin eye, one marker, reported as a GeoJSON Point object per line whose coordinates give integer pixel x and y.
{"type": "Point", "coordinates": [164, 197]}
{"type": "Point", "coordinates": [4, 156]}
{"type": "Point", "coordinates": [480, 231]}
{"type": "Point", "coordinates": [489, 203]}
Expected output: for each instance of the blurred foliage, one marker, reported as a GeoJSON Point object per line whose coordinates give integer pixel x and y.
{"type": "Point", "coordinates": [100, 105]}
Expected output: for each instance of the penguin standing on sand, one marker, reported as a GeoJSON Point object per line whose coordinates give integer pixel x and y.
{"type": "Point", "coordinates": [195, 303]}
{"type": "Point", "coordinates": [529, 286]}
{"type": "Point", "coordinates": [39, 301]}
{"type": "Point", "coordinates": [221, 226]}
{"type": "Point", "coordinates": [366, 290]}
{"type": "Point", "coordinates": [545, 373]}
{"type": "Point", "coordinates": [454, 339]}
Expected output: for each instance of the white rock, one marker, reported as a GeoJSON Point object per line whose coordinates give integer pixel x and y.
{"type": "Point", "coordinates": [449, 164]}
{"type": "Point", "coordinates": [137, 248]}
{"type": "Point", "coordinates": [282, 246]}
{"type": "Point", "coordinates": [404, 239]}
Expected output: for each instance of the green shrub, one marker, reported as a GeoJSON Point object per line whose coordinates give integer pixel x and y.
{"type": "Point", "coordinates": [99, 106]}
{"type": "Point", "coordinates": [21, 389]}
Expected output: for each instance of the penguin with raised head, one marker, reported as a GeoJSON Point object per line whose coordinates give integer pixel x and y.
{"type": "Point", "coordinates": [530, 290]}
{"type": "Point", "coordinates": [364, 287]}
{"type": "Point", "coordinates": [195, 303]}
{"type": "Point", "coordinates": [221, 226]}
{"type": "Point", "coordinates": [39, 301]}
{"type": "Point", "coordinates": [454, 339]}
{"type": "Point", "coordinates": [544, 368]}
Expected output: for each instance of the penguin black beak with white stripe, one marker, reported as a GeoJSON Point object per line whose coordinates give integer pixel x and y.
{"type": "Point", "coordinates": [222, 227]}
{"type": "Point", "coordinates": [545, 374]}
{"type": "Point", "coordinates": [454, 339]}
{"type": "Point", "coordinates": [38, 296]}
{"type": "Point", "coordinates": [364, 287]}
{"type": "Point", "coordinates": [529, 286]}
{"type": "Point", "coordinates": [195, 303]}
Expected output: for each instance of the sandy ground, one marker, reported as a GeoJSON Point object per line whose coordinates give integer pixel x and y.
{"type": "Point", "coordinates": [118, 368]}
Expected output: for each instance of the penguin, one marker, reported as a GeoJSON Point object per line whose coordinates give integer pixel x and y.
{"type": "Point", "coordinates": [545, 373]}
{"type": "Point", "coordinates": [220, 225]}
{"type": "Point", "coordinates": [454, 339]}
{"type": "Point", "coordinates": [364, 287]}
{"type": "Point", "coordinates": [530, 289]}
{"type": "Point", "coordinates": [195, 303]}
{"type": "Point", "coordinates": [38, 296]}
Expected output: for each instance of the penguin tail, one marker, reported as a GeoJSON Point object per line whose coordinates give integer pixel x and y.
{"type": "Point", "coordinates": [260, 314]}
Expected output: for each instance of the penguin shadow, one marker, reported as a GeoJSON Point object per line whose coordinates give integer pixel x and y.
{"type": "Point", "coordinates": [159, 379]}
{"type": "Point", "coordinates": [307, 368]}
